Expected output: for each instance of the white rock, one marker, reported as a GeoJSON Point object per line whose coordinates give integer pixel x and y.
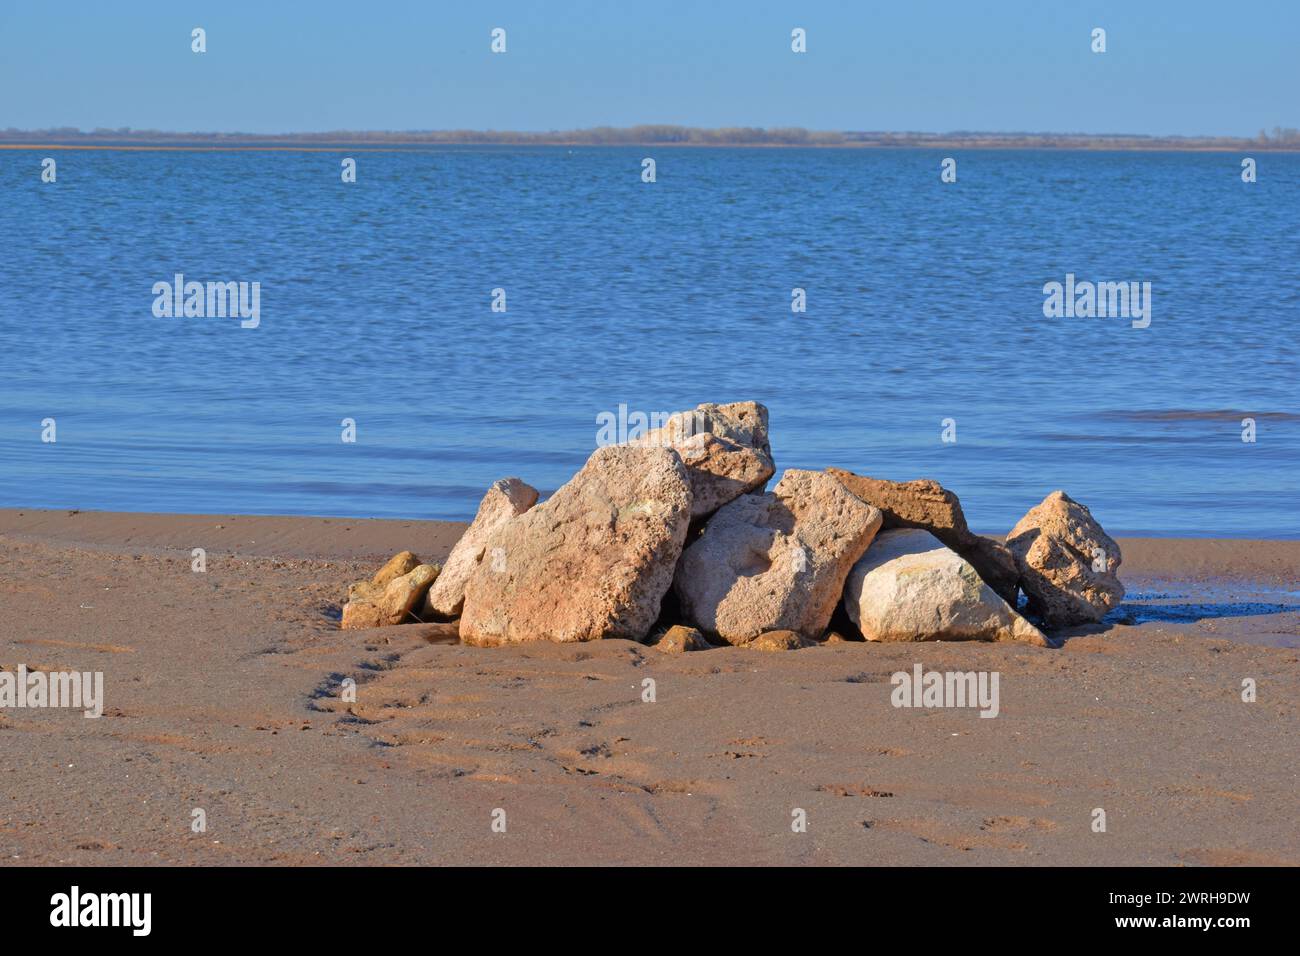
{"type": "Point", "coordinates": [910, 587]}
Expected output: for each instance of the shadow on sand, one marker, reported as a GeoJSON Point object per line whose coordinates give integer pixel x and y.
{"type": "Point", "coordinates": [1191, 613]}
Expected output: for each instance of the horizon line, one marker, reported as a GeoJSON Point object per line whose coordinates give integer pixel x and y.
{"type": "Point", "coordinates": [640, 135]}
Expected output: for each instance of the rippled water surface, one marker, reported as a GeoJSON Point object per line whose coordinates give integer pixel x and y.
{"type": "Point", "coordinates": [924, 303]}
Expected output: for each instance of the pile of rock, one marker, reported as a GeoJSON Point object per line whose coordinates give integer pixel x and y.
{"type": "Point", "coordinates": [391, 596]}
{"type": "Point", "coordinates": [670, 539]}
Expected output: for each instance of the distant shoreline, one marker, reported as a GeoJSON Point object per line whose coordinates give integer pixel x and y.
{"type": "Point", "coordinates": [417, 147]}
{"type": "Point", "coordinates": [1282, 140]}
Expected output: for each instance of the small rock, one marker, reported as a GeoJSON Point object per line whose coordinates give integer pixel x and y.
{"type": "Point", "coordinates": [910, 587]}
{"type": "Point", "coordinates": [779, 641]}
{"type": "Point", "coordinates": [1069, 566]}
{"type": "Point", "coordinates": [679, 638]}
{"type": "Point", "coordinates": [394, 605]}
{"type": "Point", "coordinates": [404, 562]}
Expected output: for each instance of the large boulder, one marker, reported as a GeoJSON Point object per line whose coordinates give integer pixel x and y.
{"type": "Point", "coordinates": [593, 561]}
{"type": "Point", "coordinates": [375, 605]}
{"type": "Point", "coordinates": [725, 449]}
{"type": "Point", "coordinates": [909, 586]}
{"type": "Point", "coordinates": [771, 562]}
{"type": "Point", "coordinates": [927, 505]}
{"type": "Point", "coordinates": [504, 500]}
{"type": "Point", "coordinates": [1068, 565]}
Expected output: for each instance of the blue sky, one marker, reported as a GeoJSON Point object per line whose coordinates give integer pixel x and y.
{"type": "Point", "coordinates": [1171, 67]}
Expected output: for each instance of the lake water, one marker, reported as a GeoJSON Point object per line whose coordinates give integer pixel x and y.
{"type": "Point", "coordinates": [924, 303]}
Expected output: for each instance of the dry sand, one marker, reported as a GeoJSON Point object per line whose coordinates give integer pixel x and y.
{"type": "Point", "coordinates": [221, 694]}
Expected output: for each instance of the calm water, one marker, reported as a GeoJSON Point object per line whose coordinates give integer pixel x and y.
{"type": "Point", "coordinates": [924, 303]}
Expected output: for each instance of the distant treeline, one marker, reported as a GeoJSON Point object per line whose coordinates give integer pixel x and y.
{"type": "Point", "coordinates": [657, 135]}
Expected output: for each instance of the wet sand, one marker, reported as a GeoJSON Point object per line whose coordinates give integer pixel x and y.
{"type": "Point", "coordinates": [222, 695]}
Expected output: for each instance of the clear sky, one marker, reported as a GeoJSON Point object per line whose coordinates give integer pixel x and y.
{"type": "Point", "coordinates": [1172, 66]}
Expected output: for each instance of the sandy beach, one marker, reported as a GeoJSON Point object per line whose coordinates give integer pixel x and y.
{"type": "Point", "coordinates": [222, 695]}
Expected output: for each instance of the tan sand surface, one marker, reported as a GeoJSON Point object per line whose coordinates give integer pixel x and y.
{"type": "Point", "coordinates": [222, 694]}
